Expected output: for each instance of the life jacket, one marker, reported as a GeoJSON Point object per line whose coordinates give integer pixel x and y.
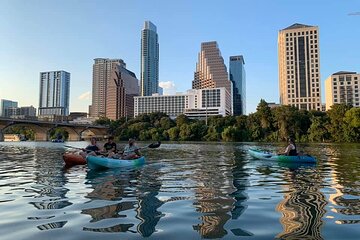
{"type": "Point", "coordinates": [293, 152]}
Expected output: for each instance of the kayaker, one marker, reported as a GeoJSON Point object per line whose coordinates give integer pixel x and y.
{"type": "Point", "coordinates": [131, 151]}
{"type": "Point", "coordinates": [109, 147]}
{"type": "Point", "coordinates": [291, 148]}
{"type": "Point", "coordinates": [91, 149]}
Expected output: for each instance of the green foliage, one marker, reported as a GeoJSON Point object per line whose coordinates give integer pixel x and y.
{"type": "Point", "coordinates": [341, 123]}
{"type": "Point", "coordinates": [21, 130]}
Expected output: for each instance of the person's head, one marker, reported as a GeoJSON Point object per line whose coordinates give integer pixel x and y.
{"type": "Point", "coordinates": [131, 141]}
{"type": "Point", "coordinates": [111, 139]}
{"type": "Point", "coordinates": [291, 140]}
{"type": "Point", "coordinates": [93, 141]}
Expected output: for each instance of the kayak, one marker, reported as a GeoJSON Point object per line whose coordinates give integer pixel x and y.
{"type": "Point", "coordinates": [263, 155]}
{"type": "Point", "coordinates": [72, 159]}
{"type": "Point", "coordinates": [95, 162]}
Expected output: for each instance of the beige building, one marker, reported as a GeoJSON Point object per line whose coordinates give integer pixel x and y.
{"type": "Point", "coordinates": [342, 87]}
{"type": "Point", "coordinates": [299, 67]}
{"type": "Point", "coordinates": [114, 88]}
{"type": "Point", "coordinates": [211, 71]}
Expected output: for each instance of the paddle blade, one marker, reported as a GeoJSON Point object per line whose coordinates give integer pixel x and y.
{"type": "Point", "coordinates": [154, 145]}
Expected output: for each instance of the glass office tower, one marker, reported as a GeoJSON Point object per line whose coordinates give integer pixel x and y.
{"type": "Point", "coordinates": [149, 72]}
{"type": "Point", "coordinates": [238, 78]}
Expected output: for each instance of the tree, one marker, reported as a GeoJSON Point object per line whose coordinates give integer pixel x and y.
{"type": "Point", "coordinates": [317, 131]}
{"type": "Point", "coordinates": [173, 133]}
{"type": "Point", "coordinates": [352, 125]}
{"type": "Point", "coordinates": [182, 119]}
{"type": "Point", "coordinates": [337, 125]}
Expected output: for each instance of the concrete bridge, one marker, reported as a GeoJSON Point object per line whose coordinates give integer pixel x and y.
{"type": "Point", "coordinates": [42, 128]}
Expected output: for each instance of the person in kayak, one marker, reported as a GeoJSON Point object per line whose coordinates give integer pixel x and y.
{"type": "Point", "coordinates": [109, 147]}
{"type": "Point", "coordinates": [131, 151]}
{"type": "Point", "coordinates": [91, 149]}
{"type": "Point", "coordinates": [291, 148]}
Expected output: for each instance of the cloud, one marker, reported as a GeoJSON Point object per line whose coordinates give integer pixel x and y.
{"type": "Point", "coordinates": [354, 14]}
{"type": "Point", "coordinates": [85, 96]}
{"type": "Point", "coordinates": [169, 87]}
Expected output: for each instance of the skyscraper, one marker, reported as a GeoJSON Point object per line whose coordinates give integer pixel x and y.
{"type": "Point", "coordinates": [299, 67]}
{"type": "Point", "coordinates": [238, 78]}
{"type": "Point", "coordinates": [211, 71]}
{"type": "Point", "coordinates": [149, 72]}
{"type": "Point", "coordinates": [54, 93]}
{"type": "Point", "coordinates": [114, 88]}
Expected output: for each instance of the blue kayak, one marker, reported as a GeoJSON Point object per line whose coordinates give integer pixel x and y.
{"type": "Point", "coordinates": [281, 158]}
{"type": "Point", "coordinates": [95, 162]}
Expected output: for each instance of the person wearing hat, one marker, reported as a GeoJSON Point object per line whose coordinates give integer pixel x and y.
{"type": "Point", "coordinates": [131, 151]}
{"type": "Point", "coordinates": [291, 148]}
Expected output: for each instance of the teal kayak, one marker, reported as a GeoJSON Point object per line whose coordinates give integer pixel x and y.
{"type": "Point", "coordinates": [263, 155]}
{"type": "Point", "coordinates": [95, 162]}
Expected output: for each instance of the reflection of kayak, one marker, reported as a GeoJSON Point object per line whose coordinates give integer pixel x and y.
{"type": "Point", "coordinates": [281, 158]}
{"type": "Point", "coordinates": [95, 162]}
{"type": "Point", "coordinates": [72, 159]}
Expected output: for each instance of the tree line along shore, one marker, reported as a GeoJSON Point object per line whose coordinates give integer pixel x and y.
{"type": "Point", "coordinates": [339, 124]}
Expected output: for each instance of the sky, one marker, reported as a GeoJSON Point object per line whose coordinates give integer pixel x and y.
{"type": "Point", "coordinates": [51, 35]}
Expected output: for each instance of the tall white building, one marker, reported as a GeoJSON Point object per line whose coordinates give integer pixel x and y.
{"type": "Point", "coordinates": [195, 103]}
{"type": "Point", "coordinates": [342, 87]}
{"type": "Point", "coordinates": [54, 93]}
{"type": "Point", "coordinates": [299, 67]}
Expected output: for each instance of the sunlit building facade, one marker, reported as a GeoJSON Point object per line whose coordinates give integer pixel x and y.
{"type": "Point", "coordinates": [194, 103]}
{"type": "Point", "coordinates": [342, 87]}
{"type": "Point", "coordinates": [299, 67]}
{"type": "Point", "coordinates": [114, 88]}
{"type": "Point", "coordinates": [211, 71]}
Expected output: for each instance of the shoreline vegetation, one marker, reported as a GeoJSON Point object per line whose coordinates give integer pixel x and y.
{"type": "Point", "coordinates": [339, 124]}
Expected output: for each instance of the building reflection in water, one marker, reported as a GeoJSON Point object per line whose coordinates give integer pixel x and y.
{"type": "Point", "coordinates": [148, 203]}
{"type": "Point", "coordinates": [345, 179]}
{"type": "Point", "coordinates": [216, 195]}
{"type": "Point", "coordinates": [48, 191]}
{"type": "Point", "coordinates": [140, 184]}
{"type": "Point", "coordinates": [303, 206]}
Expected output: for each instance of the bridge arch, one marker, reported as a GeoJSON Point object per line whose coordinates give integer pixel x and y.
{"type": "Point", "coordinates": [41, 133]}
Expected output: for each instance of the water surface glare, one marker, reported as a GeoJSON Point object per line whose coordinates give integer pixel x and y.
{"type": "Point", "coordinates": [184, 191]}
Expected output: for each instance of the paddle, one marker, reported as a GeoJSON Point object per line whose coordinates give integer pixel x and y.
{"type": "Point", "coordinates": [152, 145]}
{"type": "Point", "coordinates": [83, 149]}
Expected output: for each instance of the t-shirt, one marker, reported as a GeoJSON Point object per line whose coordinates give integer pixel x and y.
{"type": "Point", "coordinates": [130, 149]}
{"type": "Point", "coordinates": [92, 148]}
{"type": "Point", "coordinates": [108, 146]}
{"type": "Point", "coordinates": [291, 150]}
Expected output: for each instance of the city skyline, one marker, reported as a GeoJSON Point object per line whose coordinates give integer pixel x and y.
{"type": "Point", "coordinates": [78, 32]}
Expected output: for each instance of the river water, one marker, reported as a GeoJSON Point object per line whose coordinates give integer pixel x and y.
{"type": "Point", "coordinates": [184, 191]}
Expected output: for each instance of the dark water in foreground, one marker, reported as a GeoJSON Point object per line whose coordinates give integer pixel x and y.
{"type": "Point", "coordinates": [185, 191]}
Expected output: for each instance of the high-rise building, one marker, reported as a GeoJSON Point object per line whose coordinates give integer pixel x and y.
{"type": "Point", "coordinates": [299, 66]}
{"type": "Point", "coordinates": [54, 93]}
{"type": "Point", "coordinates": [149, 72]}
{"type": "Point", "coordinates": [114, 88]}
{"type": "Point", "coordinates": [4, 104]}
{"type": "Point", "coordinates": [211, 71]}
{"type": "Point", "coordinates": [342, 87]}
{"type": "Point", "coordinates": [238, 78]}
